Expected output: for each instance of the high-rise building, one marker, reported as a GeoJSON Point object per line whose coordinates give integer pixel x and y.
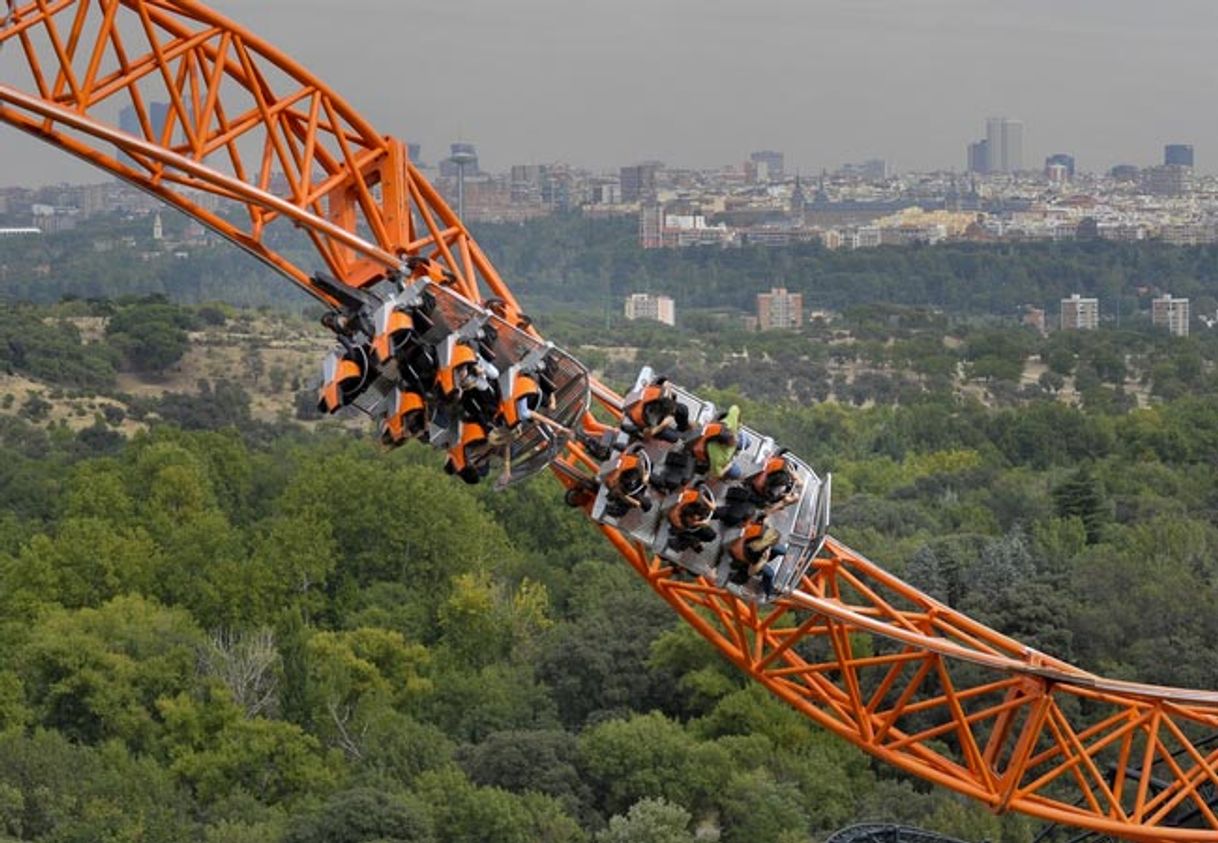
{"type": "Point", "coordinates": [1168, 180]}
{"type": "Point", "coordinates": [1080, 314]}
{"type": "Point", "coordinates": [639, 182]}
{"type": "Point", "coordinates": [993, 143]}
{"type": "Point", "coordinates": [526, 182]}
{"type": "Point", "coordinates": [1004, 145]}
{"type": "Point", "coordinates": [773, 161]}
{"type": "Point", "coordinates": [1063, 160]}
{"type": "Point", "coordinates": [979, 156]}
{"type": "Point", "coordinates": [779, 309]}
{"type": "Point", "coordinates": [1170, 313]}
{"type": "Point", "coordinates": [1179, 154]}
{"type": "Point", "coordinates": [653, 308]}
{"type": "Point", "coordinates": [414, 151]}
{"type": "Point", "coordinates": [651, 226]}
{"type": "Point", "coordinates": [129, 122]}
{"type": "Point", "coordinates": [1012, 146]}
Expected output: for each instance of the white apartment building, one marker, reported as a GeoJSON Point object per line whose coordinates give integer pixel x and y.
{"type": "Point", "coordinates": [1170, 313]}
{"type": "Point", "coordinates": [653, 308]}
{"type": "Point", "coordinates": [1080, 314]}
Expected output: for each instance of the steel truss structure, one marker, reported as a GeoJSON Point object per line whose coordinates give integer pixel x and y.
{"type": "Point", "coordinates": [907, 679]}
{"type": "Point", "coordinates": [887, 833]}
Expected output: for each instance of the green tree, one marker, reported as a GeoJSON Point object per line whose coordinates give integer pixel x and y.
{"type": "Point", "coordinates": [53, 789]}
{"type": "Point", "coordinates": [646, 755]}
{"type": "Point", "coordinates": [361, 815]}
{"type": "Point", "coordinates": [355, 675]}
{"type": "Point", "coordinates": [545, 761]}
{"type": "Point", "coordinates": [1080, 496]}
{"type": "Point", "coordinates": [96, 674]}
{"type": "Point", "coordinates": [464, 813]}
{"type": "Point", "coordinates": [649, 821]}
{"type": "Point", "coordinates": [151, 335]}
{"type": "Point", "coordinates": [220, 754]}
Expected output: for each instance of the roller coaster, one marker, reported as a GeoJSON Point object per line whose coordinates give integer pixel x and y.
{"type": "Point", "coordinates": [433, 345]}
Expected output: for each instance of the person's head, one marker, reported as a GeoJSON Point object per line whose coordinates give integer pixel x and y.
{"type": "Point", "coordinates": [779, 483]}
{"type": "Point", "coordinates": [696, 504]}
{"type": "Point", "coordinates": [659, 409]}
{"type": "Point", "coordinates": [467, 376]}
{"type": "Point", "coordinates": [631, 480]}
{"type": "Point", "coordinates": [696, 514]}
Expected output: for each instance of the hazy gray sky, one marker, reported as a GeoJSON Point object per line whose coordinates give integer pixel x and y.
{"type": "Point", "coordinates": [704, 82]}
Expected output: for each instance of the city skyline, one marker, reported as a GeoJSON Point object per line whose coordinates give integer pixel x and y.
{"type": "Point", "coordinates": [824, 82]}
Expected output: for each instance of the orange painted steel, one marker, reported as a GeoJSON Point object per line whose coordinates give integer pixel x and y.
{"type": "Point", "coordinates": [905, 678]}
{"type": "Point", "coordinates": [244, 123]}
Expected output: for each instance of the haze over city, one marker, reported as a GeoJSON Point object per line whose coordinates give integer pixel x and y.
{"type": "Point", "coordinates": [702, 84]}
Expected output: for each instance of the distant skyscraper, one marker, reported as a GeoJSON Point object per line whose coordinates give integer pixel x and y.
{"type": "Point", "coordinates": [1080, 314]}
{"type": "Point", "coordinates": [1179, 154]}
{"type": "Point", "coordinates": [1012, 146]}
{"type": "Point", "coordinates": [639, 182]}
{"type": "Point", "coordinates": [773, 163]}
{"type": "Point", "coordinates": [979, 157]}
{"type": "Point", "coordinates": [651, 226]}
{"type": "Point", "coordinates": [1004, 145]}
{"type": "Point", "coordinates": [994, 144]}
{"type": "Point", "coordinates": [1062, 159]}
{"type": "Point", "coordinates": [129, 122]}
{"type": "Point", "coordinates": [1168, 180]}
{"type": "Point", "coordinates": [414, 152]}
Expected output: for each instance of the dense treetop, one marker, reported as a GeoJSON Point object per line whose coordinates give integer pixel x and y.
{"type": "Point", "coordinates": [225, 630]}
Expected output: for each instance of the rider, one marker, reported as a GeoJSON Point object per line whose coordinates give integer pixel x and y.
{"type": "Point", "coordinates": [776, 486]}
{"type": "Point", "coordinates": [519, 406]}
{"type": "Point", "coordinates": [714, 448]}
{"type": "Point", "coordinates": [656, 413]}
{"type": "Point", "coordinates": [755, 553]}
{"type": "Point", "coordinates": [771, 489]}
{"type": "Point", "coordinates": [626, 483]}
{"type": "Point", "coordinates": [689, 519]}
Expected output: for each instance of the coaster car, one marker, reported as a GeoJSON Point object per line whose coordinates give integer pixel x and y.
{"type": "Point", "coordinates": [405, 418]}
{"type": "Point", "coordinates": [457, 360]}
{"type": "Point", "coordinates": [428, 363]}
{"type": "Point", "coordinates": [393, 327]}
{"type": "Point", "coordinates": [467, 459]}
{"type": "Point", "coordinates": [772, 485]}
{"type": "Point", "coordinates": [344, 375]}
{"type": "Point", "coordinates": [520, 396]}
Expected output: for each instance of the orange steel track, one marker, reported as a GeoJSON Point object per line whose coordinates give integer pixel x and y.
{"type": "Point", "coordinates": [905, 678]}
